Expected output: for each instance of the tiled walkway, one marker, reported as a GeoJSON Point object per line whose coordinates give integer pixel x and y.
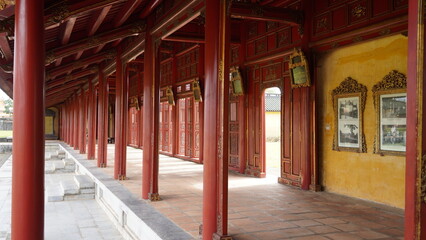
{"type": "Point", "coordinates": [262, 208]}
{"type": "Point", "coordinates": [67, 220]}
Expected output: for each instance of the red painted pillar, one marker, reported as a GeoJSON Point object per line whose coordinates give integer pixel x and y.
{"type": "Point", "coordinates": [82, 123]}
{"type": "Point", "coordinates": [28, 120]}
{"type": "Point", "coordinates": [76, 121]}
{"type": "Point", "coordinates": [121, 112]}
{"type": "Point", "coordinates": [215, 154]}
{"type": "Point", "coordinates": [72, 121]}
{"type": "Point", "coordinates": [102, 119]}
{"type": "Point", "coordinates": [415, 207]}
{"type": "Point", "coordinates": [91, 124]}
{"type": "Point", "coordinates": [150, 120]}
{"type": "Point", "coordinates": [70, 117]}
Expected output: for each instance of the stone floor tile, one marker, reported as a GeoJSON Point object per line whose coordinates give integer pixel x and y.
{"type": "Point", "coordinates": [323, 229]}
{"type": "Point", "coordinates": [343, 236]}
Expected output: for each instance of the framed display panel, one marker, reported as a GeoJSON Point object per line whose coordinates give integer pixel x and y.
{"type": "Point", "coordinates": [299, 70]}
{"type": "Point", "coordinates": [390, 102]}
{"type": "Point", "coordinates": [170, 96]}
{"type": "Point", "coordinates": [349, 104]}
{"type": "Point", "coordinates": [196, 89]}
{"type": "Point", "coordinates": [236, 81]}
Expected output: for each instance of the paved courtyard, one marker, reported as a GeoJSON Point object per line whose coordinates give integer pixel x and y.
{"type": "Point", "coordinates": [262, 208]}
{"type": "Point", "coordinates": [67, 220]}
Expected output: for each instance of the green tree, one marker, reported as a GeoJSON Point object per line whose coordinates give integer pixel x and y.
{"type": "Point", "coordinates": [8, 106]}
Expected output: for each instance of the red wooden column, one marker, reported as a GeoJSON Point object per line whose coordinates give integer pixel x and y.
{"type": "Point", "coordinates": [150, 120]}
{"type": "Point", "coordinates": [415, 207]}
{"type": "Point", "coordinates": [91, 124]}
{"type": "Point", "coordinates": [121, 112]}
{"type": "Point", "coordinates": [215, 154]}
{"type": "Point", "coordinates": [76, 121]}
{"type": "Point", "coordinates": [72, 109]}
{"type": "Point", "coordinates": [102, 119]}
{"type": "Point", "coordinates": [82, 123]}
{"type": "Point", "coordinates": [28, 120]}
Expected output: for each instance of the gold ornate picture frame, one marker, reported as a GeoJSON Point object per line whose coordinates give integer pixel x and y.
{"type": "Point", "coordinates": [299, 70]}
{"type": "Point", "coordinates": [390, 103]}
{"type": "Point", "coordinates": [237, 84]}
{"type": "Point", "coordinates": [349, 104]}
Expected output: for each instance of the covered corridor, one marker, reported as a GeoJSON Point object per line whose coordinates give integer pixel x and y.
{"type": "Point", "coordinates": [260, 208]}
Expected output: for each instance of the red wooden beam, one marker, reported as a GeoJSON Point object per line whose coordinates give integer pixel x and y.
{"type": "Point", "coordinates": [90, 42]}
{"type": "Point", "coordinates": [125, 12]}
{"type": "Point", "coordinates": [149, 7]}
{"type": "Point", "coordinates": [5, 48]}
{"type": "Point", "coordinates": [62, 10]}
{"type": "Point", "coordinates": [66, 30]}
{"type": "Point", "coordinates": [51, 74]}
{"type": "Point", "coordinates": [65, 34]}
{"type": "Point", "coordinates": [65, 86]}
{"type": "Point", "coordinates": [63, 80]}
{"type": "Point", "coordinates": [263, 13]}
{"type": "Point", "coordinates": [97, 19]}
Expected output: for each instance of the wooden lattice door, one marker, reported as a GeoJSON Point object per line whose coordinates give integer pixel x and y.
{"type": "Point", "coordinates": [181, 126]}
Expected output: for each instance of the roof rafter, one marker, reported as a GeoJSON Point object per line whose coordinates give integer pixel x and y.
{"type": "Point", "coordinates": [90, 42]}
{"type": "Point", "coordinates": [126, 11]}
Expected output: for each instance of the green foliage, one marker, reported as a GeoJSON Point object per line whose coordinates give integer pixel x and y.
{"type": "Point", "coordinates": [8, 106]}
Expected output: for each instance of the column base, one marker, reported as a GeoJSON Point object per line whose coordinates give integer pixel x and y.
{"type": "Point", "coordinates": [154, 197]}
{"type": "Point", "coordinates": [122, 177]}
{"type": "Point", "coordinates": [216, 236]}
{"type": "Point", "coordinates": [103, 165]}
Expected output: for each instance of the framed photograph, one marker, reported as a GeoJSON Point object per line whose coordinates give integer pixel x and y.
{"type": "Point", "coordinates": [348, 123]}
{"type": "Point", "coordinates": [349, 103]}
{"type": "Point", "coordinates": [390, 101]}
{"type": "Point", "coordinates": [299, 70]}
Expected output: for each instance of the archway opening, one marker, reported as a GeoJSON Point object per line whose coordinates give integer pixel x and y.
{"type": "Point", "coordinates": [272, 128]}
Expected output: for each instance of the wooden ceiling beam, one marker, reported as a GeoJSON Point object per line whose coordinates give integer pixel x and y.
{"type": "Point", "coordinates": [97, 20]}
{"type": "Point", "coordinates": [53, 73]}
{"type": "Point", "coordinates": [5, 48]}
{"type": "Point", "coordinates": [66, 30]}
{"type": "Point", "coordinates": [90, 42]}
{"type": "Point", "coordinates": [67, 86]}
{"type": "Point", "coordinates": [66, 79]}
{"type": "Point", "coordinates": [262, 13]}
{"type": "Point", "coordinates": [125, 12]}
{"type": "Point", "coordinates": [149, 7]}
{"type": "Point", "coordinates": [62, 10]}
{"type": "Point", "coordinates": [65, 34]}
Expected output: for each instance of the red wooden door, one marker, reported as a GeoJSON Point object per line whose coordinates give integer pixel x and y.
{"type": "Point", "coordinates": [160, 128]}
{"type": "Point", "coordinates": [133, 127]}
{"type": "Point", "coordinates": [189, 126]}
{"type": "Point", "coordinates": [166, 127]}
{"type": "Point", "coordinates": [181, 126]}
{"type": "Point", "coordinates": [196, 139]}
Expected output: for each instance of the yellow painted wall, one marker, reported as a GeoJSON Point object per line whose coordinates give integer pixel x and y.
{"type": "Point", "coordinates": [362, 175]}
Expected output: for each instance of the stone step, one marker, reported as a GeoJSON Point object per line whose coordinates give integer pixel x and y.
{"type": "Point", "coordinates": [49, 168]}
{"type": "Point", "coordinates": [55, 195]}
{"type": "Point", "coordinates": [84, 181]}
{"type": "Point", "coordinates": [69, 187]}
{"type": "Point", "coordinates": [85, 196]}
